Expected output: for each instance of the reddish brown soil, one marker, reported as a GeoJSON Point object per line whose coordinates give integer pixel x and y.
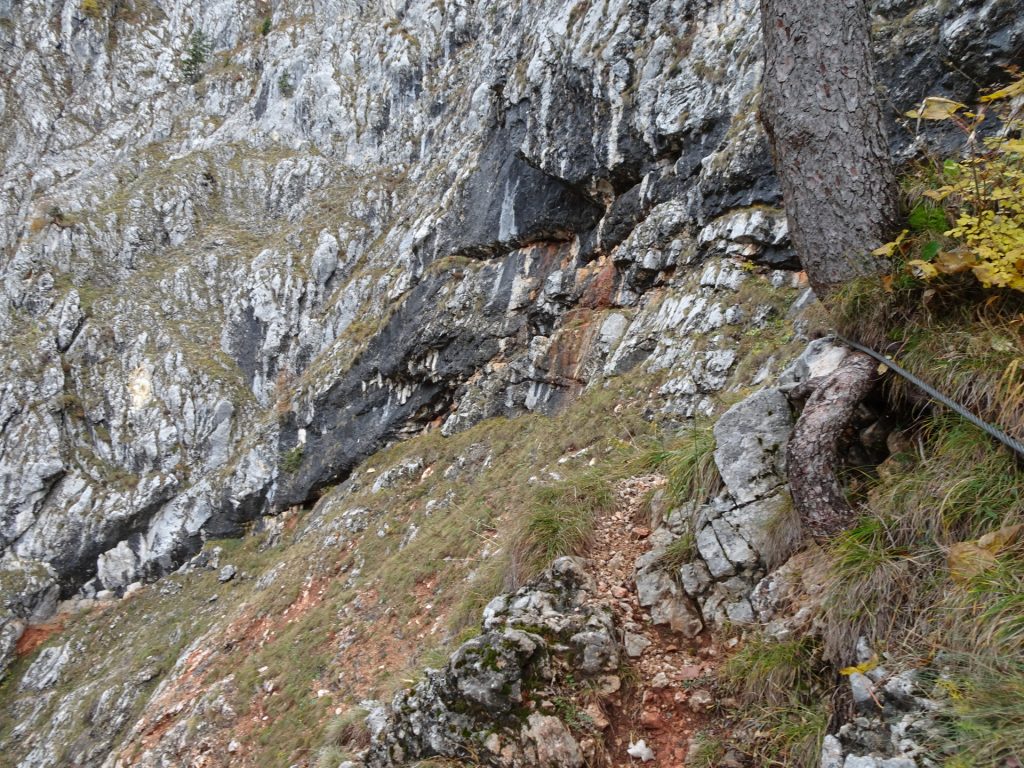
{"type": "Point", "coordinates": [654, 704]}
{"type": "Point", "coordinates": [37, 634]}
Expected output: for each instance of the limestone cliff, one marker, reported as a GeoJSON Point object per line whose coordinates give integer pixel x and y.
{"type": "Point", "coordinates": [249, 245]}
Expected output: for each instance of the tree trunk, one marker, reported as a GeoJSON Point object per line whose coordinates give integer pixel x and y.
{"type": "Point", "coordinates": [824, 123]}
{"type": "Point", "coordinates": [812, 454]}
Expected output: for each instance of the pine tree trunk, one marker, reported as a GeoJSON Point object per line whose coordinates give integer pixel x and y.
{"type": "Point", "coordinates": [824, 124]}
{"type": "Point", "coordinates": [812, 456]}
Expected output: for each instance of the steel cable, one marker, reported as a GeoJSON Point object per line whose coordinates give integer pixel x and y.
{"type": "Point", "coordinates": [1013, 444]}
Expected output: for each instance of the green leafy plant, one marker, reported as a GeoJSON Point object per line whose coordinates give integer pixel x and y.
{"type": "Point", "coordinates": [265, 27]}
{"type": "Point", "coordinates": [982, 194]}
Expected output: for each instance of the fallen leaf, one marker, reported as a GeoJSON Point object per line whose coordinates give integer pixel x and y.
{"type": "Point", "coordinates": [1016, 89]}
{"type": "Point", "coordinates": [954, 262]}
{"type": "Point", "coordinates": [969, 559]}
{"type": "Point", "coordinates": [862, 668]}
{"type": "Point", "coordinates": [936, 108]}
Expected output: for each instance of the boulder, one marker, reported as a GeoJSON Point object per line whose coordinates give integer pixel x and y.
{"type": "Point", "coordinates": [751, 438]}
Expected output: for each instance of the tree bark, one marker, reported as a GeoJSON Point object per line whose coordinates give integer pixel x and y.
{"type": "Point", "coordinates": [824, 124]}
{"type": "Point", "coordinates": [812, 455]}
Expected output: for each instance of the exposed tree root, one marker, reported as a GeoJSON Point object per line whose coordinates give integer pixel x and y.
{"type": "Point", "coordinates": [812, 456]}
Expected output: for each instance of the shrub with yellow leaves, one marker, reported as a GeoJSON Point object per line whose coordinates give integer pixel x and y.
{"type": "Point", "coordinates": [982, 193]}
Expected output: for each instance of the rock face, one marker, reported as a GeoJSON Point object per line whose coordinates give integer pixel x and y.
{"type": "Point", "coordinates": [483, 703]}
{"type": "Point", "coordinates": [246, 246]}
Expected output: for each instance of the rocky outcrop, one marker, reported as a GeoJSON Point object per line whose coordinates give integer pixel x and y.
{"type": "Point", "coordinates": [491, 702]}
{"type": "Point", "coordinates": [737, 537]}
{"type": "Point", "coordinates": [225, 285]}
{"type": "Point", "coordinates": [894, 723]}
{"type": "Point", "coordinates": [741, 540]}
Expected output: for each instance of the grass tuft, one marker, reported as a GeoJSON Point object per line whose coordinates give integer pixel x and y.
{"type": "Point", "coordinates": [560, 522]}
{"type": "Point", "coordinates": [791, 736]}
{"type": "Point", "coordinates": [680, 552]}
{"type": "Point", "coordinates": [773, 673]}
{"type": "Point", "coordinates": [348, 730]}
{"type": "Point", "coordinates": [687, 460]}
{"type": "Point", "coordinates": [707, 751]}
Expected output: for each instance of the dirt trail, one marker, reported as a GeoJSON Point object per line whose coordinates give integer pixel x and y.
{"type": "Point", "coordinates": [661, 704]}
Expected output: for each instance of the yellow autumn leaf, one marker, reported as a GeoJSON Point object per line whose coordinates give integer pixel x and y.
{"type": "Point", "coordinates": [927, 270]}
{"type": "Point", "coordinates": [1016, 89]}
{"type": "Point", "coordinates": [985, 274]}
{"type": "Point", "coordinates": [888, 249]}
{"type": "Point", "coordinates": [939, 194]}
{"type": "Point", "coordinates": [936, 108]}
{"type": "Point", "coordinates": [863, 668]}
{"type": "Point", "coordinates": [1012, 145]}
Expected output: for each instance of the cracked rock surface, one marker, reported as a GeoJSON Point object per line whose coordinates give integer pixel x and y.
{"type": "Point", "coordinates": [362, 221]}
{"type": "Point", "coordinates": [478, 704]}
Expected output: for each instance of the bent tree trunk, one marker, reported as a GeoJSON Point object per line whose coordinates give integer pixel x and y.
{"type": "Point", "coordinates": [812, 456]}
{"type": "Point", "coordinates": [824, 124]}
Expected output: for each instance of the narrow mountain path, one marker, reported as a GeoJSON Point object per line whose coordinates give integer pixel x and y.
{"type": "Point", "coordinates": [663, 701]}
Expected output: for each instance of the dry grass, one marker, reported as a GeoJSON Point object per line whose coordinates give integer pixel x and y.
{"type": "Point", "coordinates": [785, 533]}
{"type": "Point", "coordinates": [687, 459]}
{"type": "Point", "coordinates": [348, 730]}
{"type": "Point", "coordinates": [784, 687]}
{"type": "Point", "coordinates": [997, 598]}
{"type": "Point", "coordinates": [890, 572]}
{"type": "Point", "coordinates": [965, 341]}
